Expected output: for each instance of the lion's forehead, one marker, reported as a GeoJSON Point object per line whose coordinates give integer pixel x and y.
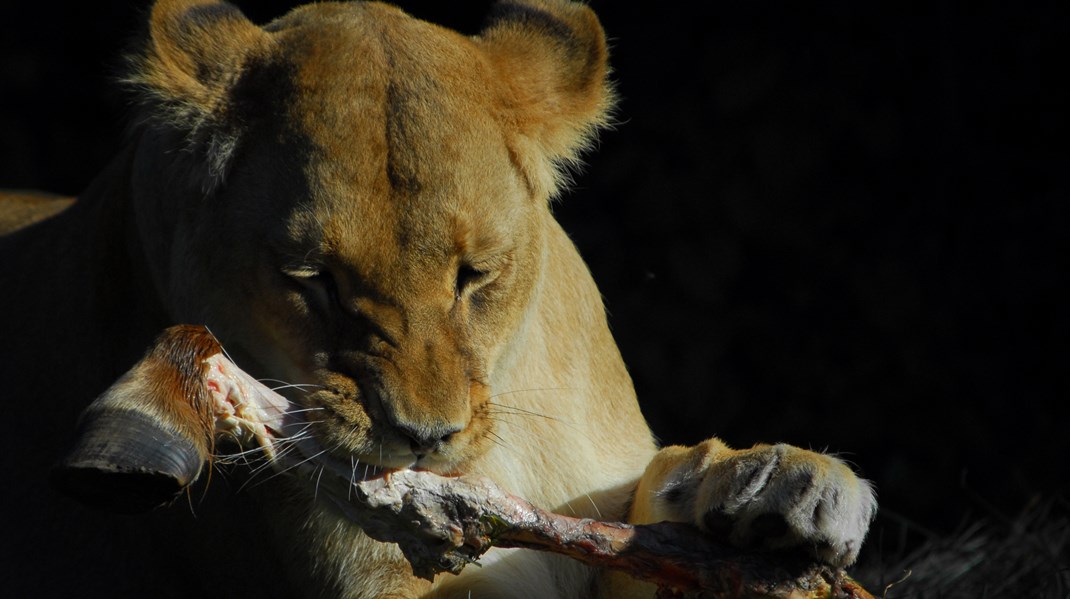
{"type": "Point", "coordinates": [391, 246]}
{"type": "Point", "coordinates": [409, 157]}
{"type": "Point", "coordinates": [367, 75]}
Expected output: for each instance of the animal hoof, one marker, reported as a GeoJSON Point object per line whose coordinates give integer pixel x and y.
{"type": "Point", "coordinates": [126, 462]}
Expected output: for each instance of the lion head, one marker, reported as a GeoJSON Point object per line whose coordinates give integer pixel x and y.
{"type": "Point", "coordinates": [357, 200]}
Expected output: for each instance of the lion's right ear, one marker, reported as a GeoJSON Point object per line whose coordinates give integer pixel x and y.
{"type": "Point", "coordinates": [185, 73]}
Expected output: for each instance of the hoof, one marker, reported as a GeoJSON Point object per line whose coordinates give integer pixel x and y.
{"type": "Point", "coordinates": [127, 462]}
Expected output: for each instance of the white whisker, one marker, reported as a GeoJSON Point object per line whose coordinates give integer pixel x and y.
{"type": "Point", "coordinates": [223, 349]}
{"type": "Point", "coordinates": [301, 410]}
{"type": "Point", "coordinates": [285, 448]}
{"type": "Point", "coordinates": [316, 492]}
{"type": "Point", "coordinates": [228, 457]}
{"type": "Point", "coordinates": [295, 386]}
{"type": "Point", "coordinates": [289, 468]}
{"type": "Point", "coordinates": [353, 463]}
{"type": "Point", "coordinates": [594, 505]}
{"type": "Point", "coordinates": [571, 509]}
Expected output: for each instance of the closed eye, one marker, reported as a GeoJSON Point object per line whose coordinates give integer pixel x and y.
{"type": "Point", "coordinates": [321, 284]}
{"type": "Point", "coordinates": [468, 277]}
{"type": "Point", "coordinates": [318, 282]}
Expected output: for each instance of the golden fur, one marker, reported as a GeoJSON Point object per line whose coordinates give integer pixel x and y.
{"type": "Point", "coordinates": [358, 200]}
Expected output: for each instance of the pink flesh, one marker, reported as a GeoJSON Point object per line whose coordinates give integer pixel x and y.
{"type": "Point", "coordinates": [245, 407]}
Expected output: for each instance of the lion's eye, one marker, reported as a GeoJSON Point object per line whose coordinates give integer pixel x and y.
{"type": "Point", "coordinates": [319, 282]}
{"type": "Point", "coordinates": [467, 277]}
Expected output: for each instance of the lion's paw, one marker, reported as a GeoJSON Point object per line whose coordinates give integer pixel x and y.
{"type": "Point", "coordinates": [771, 496]}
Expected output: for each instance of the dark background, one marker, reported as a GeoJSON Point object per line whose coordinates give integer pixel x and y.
{"type": "Point", "coordinates": [838, 225]}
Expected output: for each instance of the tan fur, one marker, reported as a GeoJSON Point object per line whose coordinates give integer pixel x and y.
{"type": "Point", "coordinates": [354, 199]}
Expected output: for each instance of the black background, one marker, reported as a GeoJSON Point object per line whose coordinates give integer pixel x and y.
{"type": "Point", "coordinates": [838, 225]}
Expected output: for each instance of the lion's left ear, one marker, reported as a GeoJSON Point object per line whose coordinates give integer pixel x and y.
{"type": "Point", "coordinates": [186, 72]}
{"type": "Point", "coordinates": [552, 57]}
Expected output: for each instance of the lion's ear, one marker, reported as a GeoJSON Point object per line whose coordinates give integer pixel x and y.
{"type": "Point", "coordinates": [553, 59]}
{"type": "Point", "coordinates": [186, 71]}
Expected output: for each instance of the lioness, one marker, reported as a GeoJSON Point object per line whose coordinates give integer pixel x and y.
{"type": "Point", "coordinates": [357, 201]}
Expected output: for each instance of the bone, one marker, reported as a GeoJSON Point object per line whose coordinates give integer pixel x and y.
{"type": "Point", "coordinates": [443, 524]}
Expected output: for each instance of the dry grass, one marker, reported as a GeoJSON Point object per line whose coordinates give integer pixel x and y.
{"type": "Point", "coordinates": [1024, 556]}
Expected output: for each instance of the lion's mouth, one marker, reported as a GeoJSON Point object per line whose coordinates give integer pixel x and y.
{"type": "Point", "coordinates": [254, 415]}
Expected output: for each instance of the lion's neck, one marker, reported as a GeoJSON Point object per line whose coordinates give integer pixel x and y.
{"type": "Point", "coordinates": [565, 372]}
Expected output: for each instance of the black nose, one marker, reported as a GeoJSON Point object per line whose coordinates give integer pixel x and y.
{"type": "Point", "coordinates": [426, 439]}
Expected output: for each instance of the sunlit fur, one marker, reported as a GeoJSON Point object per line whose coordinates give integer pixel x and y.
{"type": "Point", "coordinates": [358, 202]}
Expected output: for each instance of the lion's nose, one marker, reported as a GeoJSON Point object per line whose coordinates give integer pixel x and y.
{"type": "Point", "coordinates": [426, 439]}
